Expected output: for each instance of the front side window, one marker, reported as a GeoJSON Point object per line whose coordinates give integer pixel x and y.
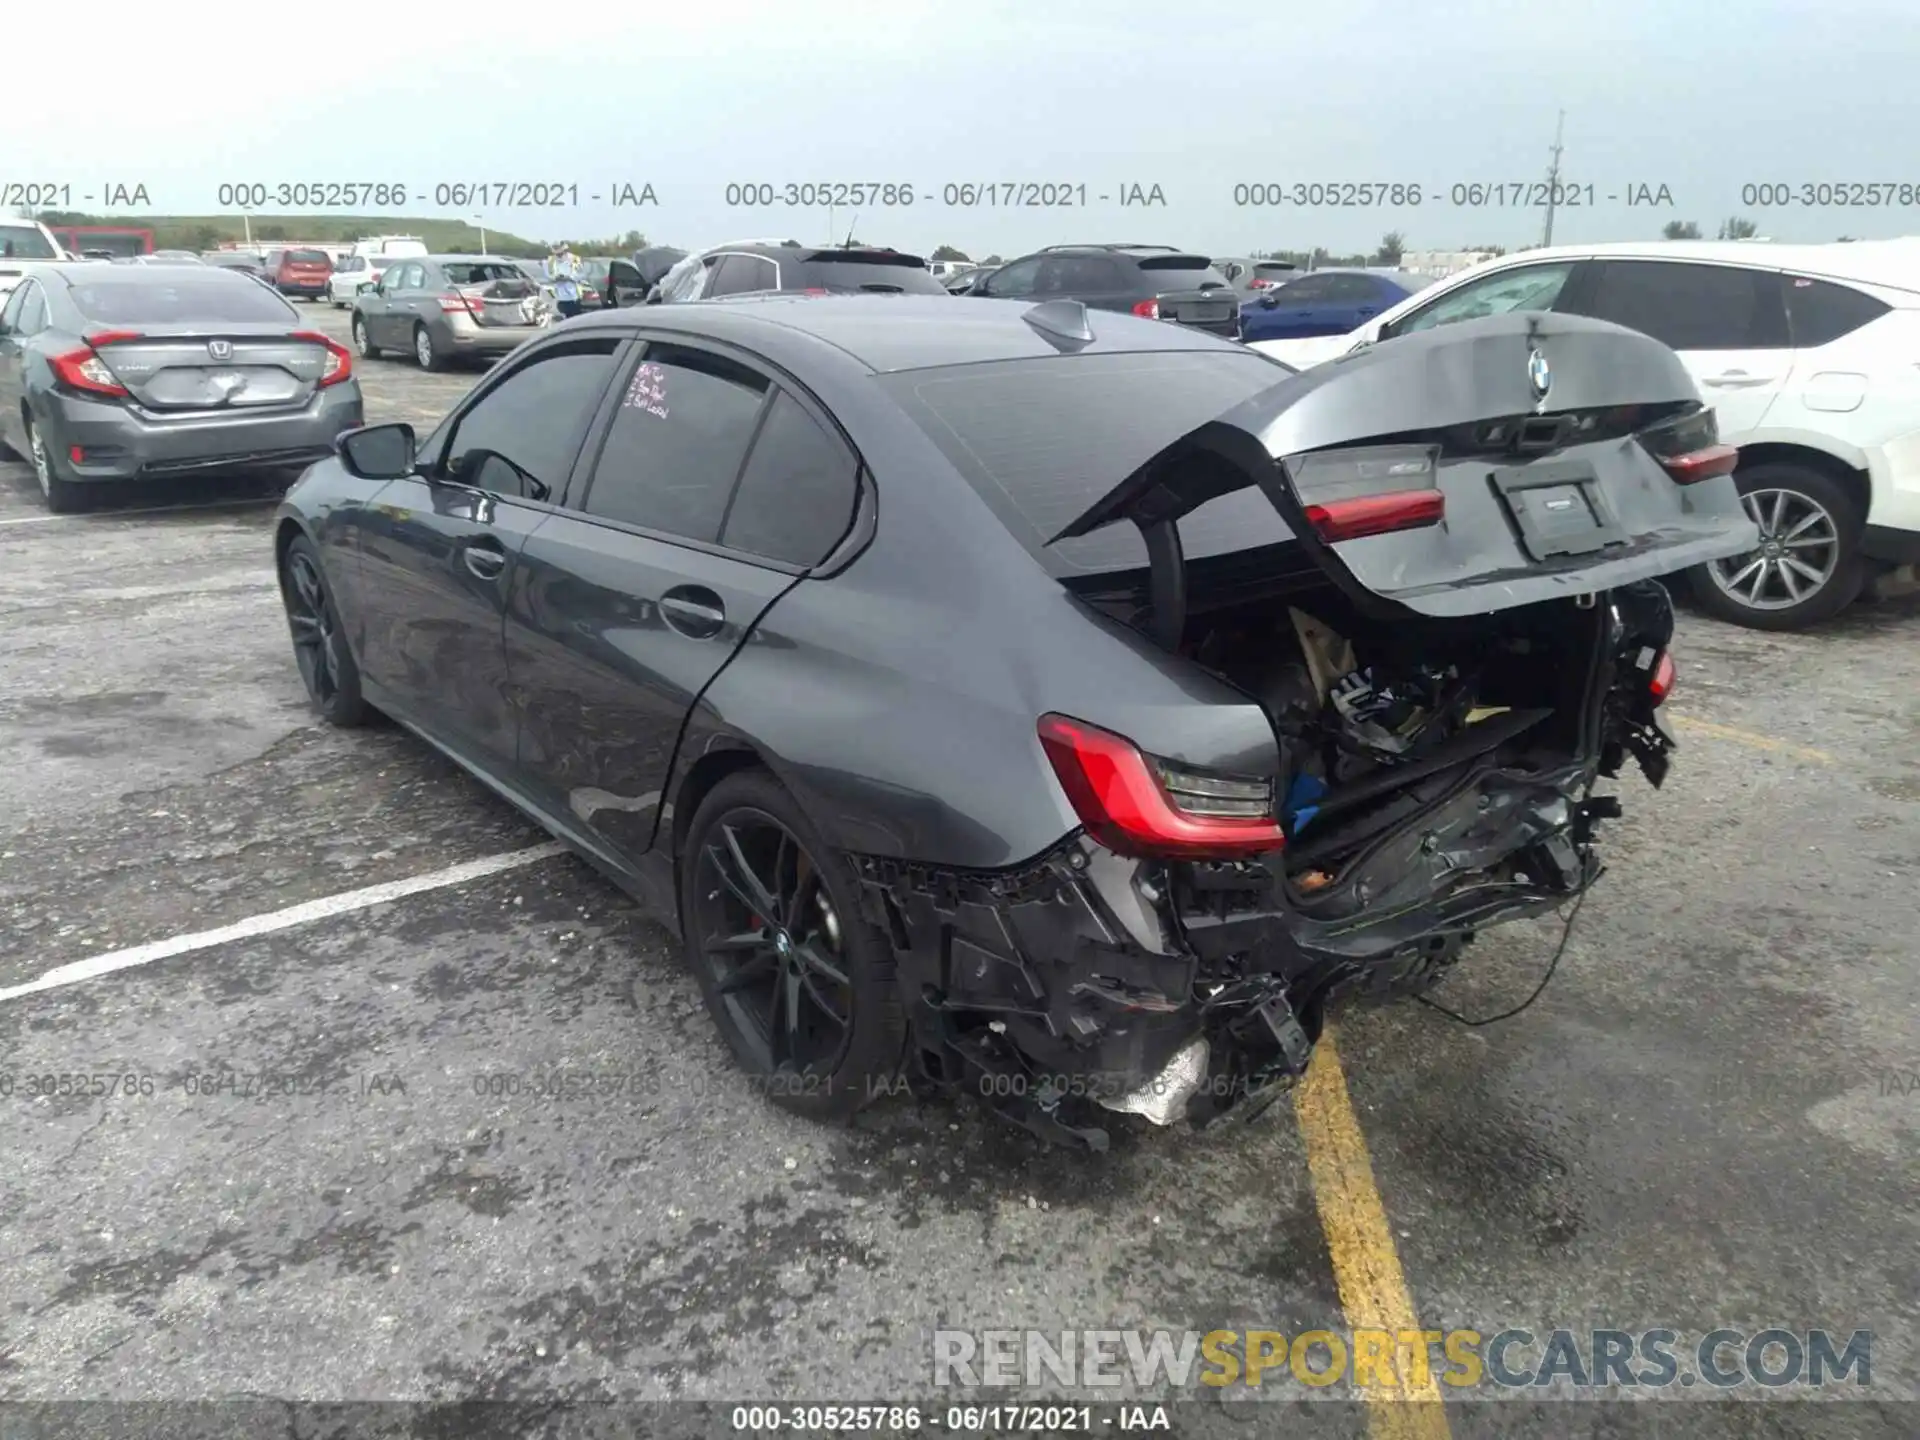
{"type": "Point", "coordinates": [1015, 280]}
{"type": "Point", "coordinates": [521, 436]}
{"type": "Point", "coordinates": [676, 443]}
{"type": "Point", "coordinates": [1525, 287]}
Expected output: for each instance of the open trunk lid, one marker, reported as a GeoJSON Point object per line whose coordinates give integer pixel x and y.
{"type": "Point", "coordinates": [1483, 465]}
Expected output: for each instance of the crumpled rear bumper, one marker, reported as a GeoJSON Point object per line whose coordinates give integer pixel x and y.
{"type": "Point", "coordinates": [1088, 982]}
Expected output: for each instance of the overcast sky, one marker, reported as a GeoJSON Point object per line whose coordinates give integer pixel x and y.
{"type": "Point", "coordinates": [1703, 98]}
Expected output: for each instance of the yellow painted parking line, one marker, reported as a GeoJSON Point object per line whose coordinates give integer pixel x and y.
{"type": "Point", "coordinates": [1748, 737]}
{"type": "Point", "coordinates": [1366, 1264]}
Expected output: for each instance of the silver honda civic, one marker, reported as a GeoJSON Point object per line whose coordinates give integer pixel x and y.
{"type": "Point", "coordinates": [139, 373]}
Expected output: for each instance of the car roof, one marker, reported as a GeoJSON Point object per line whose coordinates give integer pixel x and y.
{"type": "Point", "coordinates": [1894, 263]}
{"type": "Point", "coordinates": [899, 332]}
{"type": "Point", "coordinates": [143, 274]}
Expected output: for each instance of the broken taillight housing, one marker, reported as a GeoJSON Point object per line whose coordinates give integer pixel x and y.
{"type": "Point", "coordinates": [1660, 682]}
{"type": "Point", "coordinates": [1348, 494]}
{"type": "Point", "coordinates": [1139, 805]}
{"type": "Point", "coordinates": [1689, 448]}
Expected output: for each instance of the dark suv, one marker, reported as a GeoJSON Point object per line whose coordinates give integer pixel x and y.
{"type": "Point", "coordinates": [1156, 282]}
{"type": "Point", "coordinates": [756, 268]}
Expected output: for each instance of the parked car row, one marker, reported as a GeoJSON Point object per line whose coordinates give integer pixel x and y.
{"type": "Point", "coordinates": [1804, 352]}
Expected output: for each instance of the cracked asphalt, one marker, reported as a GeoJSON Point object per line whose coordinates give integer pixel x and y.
{"type": "Point", "coordinates": [335, 1168]}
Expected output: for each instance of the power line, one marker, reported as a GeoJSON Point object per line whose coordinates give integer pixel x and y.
{"type": "Point", "coordinates": [1553, 176]}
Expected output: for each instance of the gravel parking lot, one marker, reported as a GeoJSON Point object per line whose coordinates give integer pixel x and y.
{"type": "Point", "coordinates": [1709, 1120]}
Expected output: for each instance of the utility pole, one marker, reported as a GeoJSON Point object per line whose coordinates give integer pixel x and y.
{"type": "Point", "coordinates": [1553, 176]}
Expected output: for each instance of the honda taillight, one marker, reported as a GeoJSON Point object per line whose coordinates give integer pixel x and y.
{"type": "Point", "coordinates": [1138, 805]}
{"type": "Point", "coordinates": [84, 370]}
{"type": "Point", "coordinates": [339, 359]}
{"type": "Point", "coordinates": [1660, 683]}
{"type": "Point", "coordinates": [1349, 494]}
{"type": "Point", "coordinates": [1148, 309]}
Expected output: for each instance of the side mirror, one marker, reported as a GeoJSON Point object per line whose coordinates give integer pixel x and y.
{"type": "Point", "coordinates": [1268, 300]}
{"type": "Point", "coordinates": [378, 452]}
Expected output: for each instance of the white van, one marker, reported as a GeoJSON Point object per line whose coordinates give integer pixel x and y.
{"type": "Point", "coordinates": [390, 245]}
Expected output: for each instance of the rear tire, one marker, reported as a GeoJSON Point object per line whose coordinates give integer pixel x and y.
{"type": "Point", "coordinates": [838, 1043]}
{"type": "Point", "coordinates": [425, 353]}
{"type": "Point", "coordinates": [1808, 567]}
{"type": "Point", "coordinates": [62, 496]}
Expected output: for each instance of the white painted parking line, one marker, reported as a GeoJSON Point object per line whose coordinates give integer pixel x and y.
{"type": "Point", "coordinates": [149, 510]}
{"type": "Point", "coordinates": [322, 909]}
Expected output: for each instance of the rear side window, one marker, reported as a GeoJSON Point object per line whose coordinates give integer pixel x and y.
{"type": "Point", "coordinates": [32, 318]}
{"type": "Point", "coordinates": [738, 274]}
{"type": "Point", "coordinates": [796, 496]}
{"type": "Point", "coordinates": [520, 438]}
{"type": "Point", "coordinates": [1079, 275]}
{"type": "Point", "coordinates": [1692, 306]}
{"type": "Point", "coordinates": [172, 296]}
{"type": "Point", "coordinates": [861, 275]}
{"type": "Point", "coordinates": [676, 443]}
{"type": "Point", "coordinates": [1820, 312]}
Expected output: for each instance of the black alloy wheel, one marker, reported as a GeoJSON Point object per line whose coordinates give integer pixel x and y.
{"type": "Point", "coordinates": [800, 986]}
{"type": "Point", "coordinates": [319, 649]}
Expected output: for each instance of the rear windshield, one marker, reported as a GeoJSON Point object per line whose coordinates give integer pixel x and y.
{"type": "Point", "coordinates": [912, 279]}
{"type": "Point", "coordinates": [1042, 440]}
{"type": "Point", "coordinates": [177, 299]}
{"type": "Point", "coordinates": [25, 242]}
{"type": "Point", "coordinates": [1180, 272]}
{"type": "Point", "coordinates": [309, 257]}
{"type": "Point", "coordinates": [481, 272]}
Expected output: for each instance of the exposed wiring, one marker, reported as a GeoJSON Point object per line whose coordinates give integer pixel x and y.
{"type": "Point", "coordinates": [1566, 934]}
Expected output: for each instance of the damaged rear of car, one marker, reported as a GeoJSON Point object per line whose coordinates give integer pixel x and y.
{"type": "Point", "coordinates": [1401, 614]}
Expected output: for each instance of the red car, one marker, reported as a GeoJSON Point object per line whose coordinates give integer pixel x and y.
{"type": "Point", "coordinates": [303, 272]}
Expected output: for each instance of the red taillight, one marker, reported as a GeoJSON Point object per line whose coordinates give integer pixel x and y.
{"type": "Point", "coordinates": [1377, 514]}
{"type": "Point", "coordinates": [456, 304]}
{"type": "Point", "coordinates": [1130, 809]}
{"type": "Point", "coordinates": [1148, 309]}
{"type": "Point", "coordinates": [1699, 465]}
{"type": "Point", "coordinates": [1660, 683]}
{"type": "Point", "coordinates": [339, 358]}
{"type": "Point", "coordinates": [813, 290]}
{"type": "Point", "coordinates": [84, 370]}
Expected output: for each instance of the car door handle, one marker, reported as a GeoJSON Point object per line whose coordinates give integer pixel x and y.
{"type": "Point", "coordinates": [1737, 380]}
{"type": "Point", "coordinates": [694, 611]}
{"type": "Point", "coordinates": [486, 559]}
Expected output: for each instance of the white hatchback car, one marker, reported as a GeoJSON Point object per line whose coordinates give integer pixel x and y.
{"type": "Point", "coordinates": [1809, 354]}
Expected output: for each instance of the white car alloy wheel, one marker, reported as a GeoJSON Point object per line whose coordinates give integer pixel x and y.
{"type": "Point", "coordinates": [1798, 553]}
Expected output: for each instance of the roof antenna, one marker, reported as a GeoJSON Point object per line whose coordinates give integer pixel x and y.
{"type": "Point", "coordinates": [856, 221]}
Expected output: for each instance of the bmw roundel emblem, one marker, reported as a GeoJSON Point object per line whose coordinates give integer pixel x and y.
{"type": "Point", "coordinates": [1538, 375]}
